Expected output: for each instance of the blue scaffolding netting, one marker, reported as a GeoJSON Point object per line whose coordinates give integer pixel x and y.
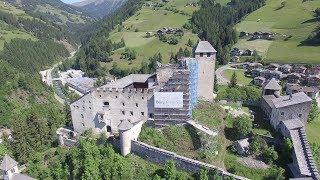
{"type": "Point", "coordinates": [193, 67]}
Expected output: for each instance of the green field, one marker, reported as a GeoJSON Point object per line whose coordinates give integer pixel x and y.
{"type": "Point", "coordinates": [241, 78]}
{"type": "Point", "coordinates": [291, 20]}
{"type": "Point", "coordinates": [146, 20]}
{"type": "Point", "coordinates": [313, 135]}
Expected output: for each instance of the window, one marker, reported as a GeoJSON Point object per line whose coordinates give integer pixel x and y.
{"type": "Point", "coordinates": [129, 97]}
{"type": "Point", "coordinates": [208, 54]}
{"type": "Point", "coordinates": [100, 95]}
{"type": "Point", "coordinates": [300, 115]}
{"type": "Point", "coordinates": [142, 113]}
{"type": "Point", "coordinates": [108, 128]}
{"type": "Point", "coordinates": [131, 113]}
{"type": "Point", "coordinates": [89, 101]}
{"type": "Point", "coordinates": [123, 104]}
{"type": "Point", "coordinates": [83, 107]}
{"type": "Point", "coordinates": [89, 107]}
{"type": "Point", "coordinates": [12, 170]}
{"type": "Point", "coordinates": [201, 54]}
{"type": "Point", "coordinates": [142, 97]}
{"type": "Point", "coordinates": [123, 112]}
{"type": "Point", "coordinates": [282, 113]}
{"type": "Point", "coordinates": [106, 103]}
{"type": "Point", "coordinates": [82, 124]}
{"type": "Point", "coordinates": [137, 105]}
{"type": "Point", "coordinates": [116, 97]}
{"type": "Point", "coordinates": [82, 116]}
{"type": "Point", "coordinates": [151, 115]}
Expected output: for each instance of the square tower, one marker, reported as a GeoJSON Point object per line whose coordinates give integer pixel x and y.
{"type": "Point", "coordinates": [206, 57]}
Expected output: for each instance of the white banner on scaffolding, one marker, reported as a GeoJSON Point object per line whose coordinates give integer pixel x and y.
{"type": "Point", "coordinates": [168, 99]}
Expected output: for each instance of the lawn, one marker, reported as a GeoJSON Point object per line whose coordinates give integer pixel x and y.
{"type": "Point", "coordinates": [289, 20]}
{"type": "Point", "coordinates": [313, 135]}
{"type": "Point", "coordinates": [241, 78]}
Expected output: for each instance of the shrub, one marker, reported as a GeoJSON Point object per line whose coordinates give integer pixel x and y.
{"type": "Point", "coordinates": [270, 155]}
{"type": "Point", "coordinates": [242, 126]}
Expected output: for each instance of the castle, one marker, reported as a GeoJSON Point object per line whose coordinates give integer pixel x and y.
{"type": "Point", "coordinates": [165, 97]}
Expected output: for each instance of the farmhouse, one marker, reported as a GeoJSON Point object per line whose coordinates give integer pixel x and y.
{"type": "Point", "coordinates": [285, 68]}
{"type": "Point", "coordinates": [310, 91]}
{"type": "Point", "coordinates": [11, 171]}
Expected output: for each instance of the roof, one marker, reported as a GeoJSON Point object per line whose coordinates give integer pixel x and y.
{"type": "Point", "coordinates": [268, 99]}
{"type": "Point", "coordinates": [8, 163]}
{"type": "Point", "coordinates": [299, 152]}
{"type": "Point", "coordinates": [128, 80]}
{"type": "Point", "coordinates": [18, 176]}
{"type": "Point", "coordinates": [273, 84]}
{"type": "Point", "coordinates": [205, 47]}
{"type": "Point", "coordinates": [125, 125]}
{"type": "Point", "coordinates": [296, 98]}
{"type": "Point", "coordinates": [292, 124]}
{"type": "Point", "coordinates": [243, 142]}
{"type": "Point", "coordinates": [260, 78]}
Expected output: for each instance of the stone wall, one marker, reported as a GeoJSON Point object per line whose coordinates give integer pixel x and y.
{"type": "Point", "coordinates": [161, 156]}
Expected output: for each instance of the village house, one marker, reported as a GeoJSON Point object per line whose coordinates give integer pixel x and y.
{"type": "Point", "coordinates": [312, 91]}
{"type": "Point", "coordinates": [268, 74]}
{"type": "Point", "coordinates": [250, 66]}
{"type": "Point", "coordinates": [313, 80]}
{"type": "Point", "coordinates": [259, 81]}
{"type": "Point", "coordinates": [313, 71]}
{"type": "Point", "coordinates": [293, 78]}
{"type": "Point", "coordinates": [273, 67]}
{"type": "Point", "coordinates": [285, 68]}
{"type": "Point", "coordinates": [299, 69]}
{"type": "Point", "coordinates": [256, 72]}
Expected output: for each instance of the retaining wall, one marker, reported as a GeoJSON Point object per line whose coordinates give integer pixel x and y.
{"type": "Point", "coordinates": [161, 156]}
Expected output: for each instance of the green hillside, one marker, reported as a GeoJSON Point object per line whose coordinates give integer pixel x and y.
{"type": "Point", "coordinates": [173, 14]}
{"type": "Point", "coordinates": [294, 21]}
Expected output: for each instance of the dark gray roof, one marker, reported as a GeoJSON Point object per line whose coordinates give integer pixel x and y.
{"type": "Point", "coordinates": [273, 85]}
{"type": "Point", "coordinates": [268, 99]}
{"type": "Point", "coordinates": [81, 84]}
{"type": "Point", "coordinates": [8, 163]}
{"type": "Point", "coordinates": [125, 125]}
{"type": "Point", "coordinates": [305, 89]}
{"type": "Point", "coordinates": [205, 47]}
{"type": "Point", "coordinates": [128, 80]}
{"type": "Point", "coordinates": [18, 176]}
{"type": "Point", "coordinates": [296, 98]}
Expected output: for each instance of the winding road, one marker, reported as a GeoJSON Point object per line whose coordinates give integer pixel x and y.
{"type": "Point", "coordinates": [221, 79]}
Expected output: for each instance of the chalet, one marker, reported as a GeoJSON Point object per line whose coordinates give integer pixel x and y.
{"type": "Point", "coordinates": [313, 71]}
{"type": "Point", "coordinates": [259, 81]}
{"type": "Point", "coordinates": [313, 80]}
{"type": "Point", "coordinates": [294, 78]}
{"type": "Point", "coordinates": [247, 52]}
{"type": "Point", "coordinates": [256, 72]}
{"type": "Point", "coordinates": [273, 67]}
{"type": "Point", "coordinates": [285, 69]}
{"type": "Point", "coordinates": [299, 69]}
{"type": "Point", "coordinates": [310, 91]}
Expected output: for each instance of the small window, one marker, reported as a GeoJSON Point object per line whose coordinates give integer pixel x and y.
{"type": "Point", "coordinates": [89, 101]}
{"type": "Point", "coordinates": [123, 112]}
{"type": "Point", "coordinates": [108, 128]}
{"type": "Point", "coordinates": [83, 107]}
{"type": "Point", "coordinates": [300, 115]}
{"type": "Point", "coordinates": [282, 113]}
{"type": "Point", "coordinates": [201, 54]}
{"type": "Point", "coordinates": [12, 170]}
{"type": "Point", "coordinates": [151, 115]}
{"type": "Point", "coordinates": [89, 107]}
{"type": "Point", "coordinates": [82, 116]}
{"type": "Point", "coordinates": [131, 113]}
{"type": "Point", "coordinates": [137, 105]}
{"type": "Point", "coordinates": [82, 124]}
{"type": "Point", "coordinates": [208, 54]}
{"type": "Point", "coordinates": [100, 95]}
{"type": "Point", "coordinates": [116, 97]}
{"type": "Point", "coordinates": [106, 103]}
{"type": "Point", "coordinates": [129, 97]}
{"type": "Point", "coordinates": [142, 97]}
{"type": "Point", "coordinates": [123, 104]}
{"type": "Point", "coordinates": [142, 113]}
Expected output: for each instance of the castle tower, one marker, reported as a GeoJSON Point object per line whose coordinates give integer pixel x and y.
{"type": "Point", "coordinates": [9, 167]}
{"type": "Point", "coordinates": [271, 88]}
{"type": "Point", "coordinates": [206, 57]}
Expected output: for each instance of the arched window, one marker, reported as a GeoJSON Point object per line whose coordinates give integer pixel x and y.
{"type": "Point", "coordinates": [108, 128]}
{"type": "Point", "coordinates": [106, 103]}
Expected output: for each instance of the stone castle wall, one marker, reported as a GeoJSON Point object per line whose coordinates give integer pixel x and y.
{"type": "Point", "coordinates": [161, 156]}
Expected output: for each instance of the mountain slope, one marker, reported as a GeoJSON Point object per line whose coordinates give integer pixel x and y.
{"type": "Point", "coordinates": [54, 11]}
{"type": "Point", "coordinates": [292, 22]}
{"type": "Point", "coordinates": [99, 8]}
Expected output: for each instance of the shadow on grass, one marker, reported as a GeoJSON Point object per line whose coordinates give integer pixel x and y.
{"type": "Point", "coordinates": [194, 136]}
{"type": "Point", "coordinates": [311, 20]}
